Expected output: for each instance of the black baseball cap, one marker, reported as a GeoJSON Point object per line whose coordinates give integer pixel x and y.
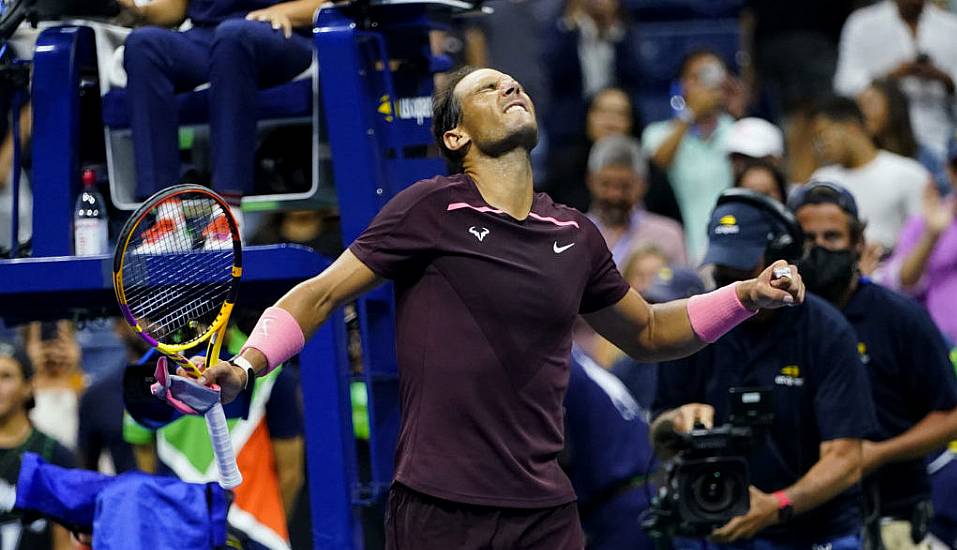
{"type": "Point", "coordinates": [738, 235]}
{"type": "Point", "coordinates": [823, 192]}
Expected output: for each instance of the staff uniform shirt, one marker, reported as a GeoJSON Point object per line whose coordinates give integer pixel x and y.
{"type": "Point", "coordinates": [485, 306]}
{"type": "Point", "coordinates": [911, 376]}
{"type": "Point", "coordinates": [808, 355]}
{"type": "Point", "coordinates": [606, 432]}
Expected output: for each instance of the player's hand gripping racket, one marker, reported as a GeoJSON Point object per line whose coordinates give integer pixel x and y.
{"type": "Point", "coordinates": [176, 272]}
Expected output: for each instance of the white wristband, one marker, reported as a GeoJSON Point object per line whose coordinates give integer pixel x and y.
{"type": "Point", "coordinates": [244, 364]}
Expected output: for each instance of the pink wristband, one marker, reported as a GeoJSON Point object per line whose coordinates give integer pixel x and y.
{"type": "Point", "coordinates": [277, 336]}
{"type": "Point", "coordinates": [713, 314]}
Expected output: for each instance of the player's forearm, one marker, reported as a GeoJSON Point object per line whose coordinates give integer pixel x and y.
{"type": "Point", "coordinates": [668, 334]}
{"type": "Point", "coordinates": [838, 469]}
{"type": "Point", "coordinates": [934, 431]}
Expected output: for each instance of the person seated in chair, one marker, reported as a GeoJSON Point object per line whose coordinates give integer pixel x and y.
{"type": "Point", "coordinates": [238, 46]}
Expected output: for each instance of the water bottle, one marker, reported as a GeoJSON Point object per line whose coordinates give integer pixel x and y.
{"type": "Point", "coordinates": [90, 225]}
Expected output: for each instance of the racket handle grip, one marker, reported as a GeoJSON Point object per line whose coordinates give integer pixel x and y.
{"type": "Point", "coordinates": [229, 475]}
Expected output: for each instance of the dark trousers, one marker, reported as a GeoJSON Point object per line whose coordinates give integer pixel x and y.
{"type": "Point", "coordinates": [415, 521]}
{"type": "Point", "coordinates": [237, 58]}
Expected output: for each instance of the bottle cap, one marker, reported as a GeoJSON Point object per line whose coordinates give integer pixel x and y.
{"type": "Point", "coordinates": [89, 177]}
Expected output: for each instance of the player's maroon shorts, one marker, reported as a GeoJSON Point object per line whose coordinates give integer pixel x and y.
{"type": "Point", "coordinates": [415, 521]}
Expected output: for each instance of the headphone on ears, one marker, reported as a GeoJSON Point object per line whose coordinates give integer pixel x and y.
{"type": "Point", "coordinates": [787, 242]}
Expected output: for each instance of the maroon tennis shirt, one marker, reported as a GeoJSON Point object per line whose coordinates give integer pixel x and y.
{"type": "Point", "coordinates": [485, 307]}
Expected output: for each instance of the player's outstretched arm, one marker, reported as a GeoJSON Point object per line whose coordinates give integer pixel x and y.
{"type": "Point", "coordinates": [283, 328]}
{"type": "Point", "coordinates": [676, 329]}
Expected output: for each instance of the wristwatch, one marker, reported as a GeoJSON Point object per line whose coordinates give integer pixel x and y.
{"type": "Point", "coordinates": [785, 506]}
{"type": "Point", "coordinates": [243, 363]}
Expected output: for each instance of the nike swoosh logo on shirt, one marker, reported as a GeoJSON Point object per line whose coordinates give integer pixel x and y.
{"type": "Point", "coordinates": [560, 249]}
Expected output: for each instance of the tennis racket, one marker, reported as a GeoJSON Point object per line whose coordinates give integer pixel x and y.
{"type": "Point", "coordinates": [176, 272]}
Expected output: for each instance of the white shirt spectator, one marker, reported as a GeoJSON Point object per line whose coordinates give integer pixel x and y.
{"type": "Point", "coordinates": [888, 191]}
{"type": "Point", "coordinates": [875, 41]}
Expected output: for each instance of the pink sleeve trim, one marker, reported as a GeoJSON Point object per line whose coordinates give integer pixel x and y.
{"type": "Point", "coordinates": [714, 314]}
{"type": "Point", "coordinates": [277, 336]}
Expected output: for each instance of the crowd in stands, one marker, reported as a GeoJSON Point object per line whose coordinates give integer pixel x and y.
{"type": "Point", "coordinates": [837, 119]}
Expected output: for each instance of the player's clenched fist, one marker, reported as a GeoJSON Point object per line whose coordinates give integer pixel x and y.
{"type": "Point", "coordinates": [777, 286]}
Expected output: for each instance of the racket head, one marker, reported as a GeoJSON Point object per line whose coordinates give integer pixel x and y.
{"type": "Point", "coordinates": [177, 267]}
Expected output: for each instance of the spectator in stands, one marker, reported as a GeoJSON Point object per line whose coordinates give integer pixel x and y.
{"type": "Point", "coordinates": [915, 42]}
{"type": "Point", "coordinates": [912, 379]}
{"type": "Point", "coordinates": [792, 49]}
{"type": "Point", "coordinates": [17, 436]}
{"type": "Point", "coordinates": [609, 113]}
{"type": "Point", "coordinates": [886, 186]}
{"type": "Point", "coordinates": [607, 456]}
{"type": "Point", "coordinates": [754, 138]}
{"type": "Point", "coordinates": [886, 113]}
{"type": "Point", "coordinates": [590, 48]}
{"type": "Point", "coordinates": [691, 147]}
{"type": "Point", "coordinates": [317, 229]}
{"type": "Point", "coordinates": [100, 443]}
{"type": "Point", "coordinates": [238, 47]}
{"type": "Point", "coordinates": [58, 382]}
{"type": "Point", "coordinates": [923, 264]}
{"type": "Point", "coordinates": [617, 171]}
{"type": "Point", "coordinates": [805, 473]}
{"type": "Point", "coordinates": [764, 177]}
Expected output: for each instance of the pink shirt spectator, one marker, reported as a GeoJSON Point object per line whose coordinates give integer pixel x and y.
{"type": "Point", "coordinates": [937, 289]}
{"type": "Point", "coordinates": [646, 228]}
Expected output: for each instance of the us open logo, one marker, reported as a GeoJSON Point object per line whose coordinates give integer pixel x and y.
{"type": "Point", "coordinates": [789, 376]}
{"type": "Point", "coordinates": [406, 108]}
{"type": "Point", "coordinates": [727, 225]}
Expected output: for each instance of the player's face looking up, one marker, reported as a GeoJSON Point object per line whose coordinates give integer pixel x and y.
{"type": "Point", "coordinates": [497, 115]}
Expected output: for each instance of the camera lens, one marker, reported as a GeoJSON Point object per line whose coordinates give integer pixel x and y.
{"type": "Point", "coordinates": [713, 491]}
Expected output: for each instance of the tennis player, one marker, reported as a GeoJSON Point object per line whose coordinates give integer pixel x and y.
{"type": "Point", "coordinates": [489, 278]}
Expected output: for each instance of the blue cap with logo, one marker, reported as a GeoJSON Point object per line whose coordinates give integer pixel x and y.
{"type": "Point", "coordinates": [738, 235]}
{"type": "Point", "coordinates": [673, 283]}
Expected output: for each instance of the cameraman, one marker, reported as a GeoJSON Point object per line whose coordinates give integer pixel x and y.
{"type": "Point", "coordinates": [912, 379]}
{"type": "Point", "coordinates": [805, 469]}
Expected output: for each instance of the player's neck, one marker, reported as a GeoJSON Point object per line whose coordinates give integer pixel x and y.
{"type": "Point", "coordinates": [505, 181]}
{"type": "Point", "coordinates": [15, 428]}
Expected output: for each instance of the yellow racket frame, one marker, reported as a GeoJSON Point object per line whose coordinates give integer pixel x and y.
{"type": "Point", "coordinates": [217, 329]}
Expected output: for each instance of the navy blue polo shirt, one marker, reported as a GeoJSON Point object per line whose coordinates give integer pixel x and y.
{"type": "Point", "coordinates": [606, 430]}
{"type": "Point", "coordinates": [808, 356]}
{"type": "Point", "coordinates": [911, 376]}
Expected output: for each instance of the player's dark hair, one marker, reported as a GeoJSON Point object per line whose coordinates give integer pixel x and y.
{"type": "Point", "coordinates": [447, 113]}
{"type": "Point", "coordinates": [839, 109]}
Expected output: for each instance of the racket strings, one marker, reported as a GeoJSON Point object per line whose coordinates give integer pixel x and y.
{"type": "Point", "coordinates": [177, 268]}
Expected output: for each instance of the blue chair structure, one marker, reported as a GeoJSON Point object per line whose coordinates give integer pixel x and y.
{"type": "Point", "coordinates": [377, 74]}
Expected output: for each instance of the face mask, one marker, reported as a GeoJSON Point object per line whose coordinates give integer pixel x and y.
{"type": "Point", "coordinates": [828, 273]}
